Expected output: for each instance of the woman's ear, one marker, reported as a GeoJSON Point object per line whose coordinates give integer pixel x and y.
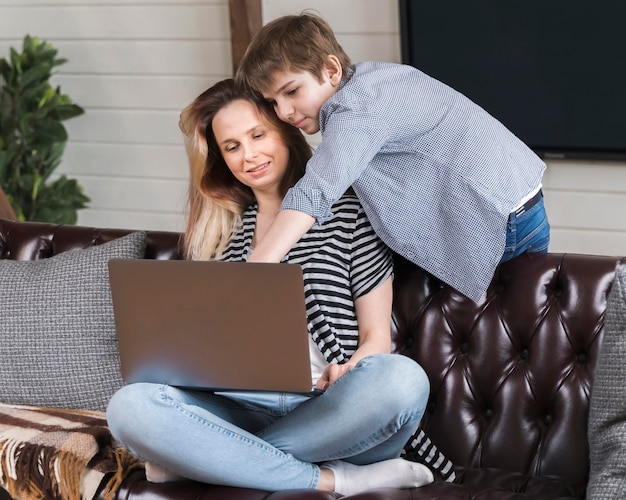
{"type": "Point", "coordinates": [333, 70]}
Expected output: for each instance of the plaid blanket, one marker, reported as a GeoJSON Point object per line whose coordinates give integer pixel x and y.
{"type": "Point", "coordinates": [51, 454]}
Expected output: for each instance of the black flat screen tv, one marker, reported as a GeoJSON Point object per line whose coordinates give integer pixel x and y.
{"type": "Point", "coordinates": [553, 71]}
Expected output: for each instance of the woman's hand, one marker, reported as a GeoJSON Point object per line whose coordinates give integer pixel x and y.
{"type": "Point", "coordinates": [331, 373]}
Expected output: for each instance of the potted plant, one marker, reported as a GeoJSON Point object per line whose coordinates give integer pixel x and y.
{"type": "Point", "coordinates": [33, 138]}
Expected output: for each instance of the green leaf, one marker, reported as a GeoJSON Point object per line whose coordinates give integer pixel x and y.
{"type": "Point", "coordinates": [49, 131]}
{"type": "Point", "coordinates": [31, 96]}
{"type": "Point", "coordinates": [16, 59]}
{"type": "Point", "coordinates": [45, 50]}
{"type": "Point", "coordinates": [67, 111]}
{"type": "Point", "coordinates": [25, 122]}
{"type": "Point", "coordinates": [60, 200]}
{"type": "Point", "coordinates": [58, 62]}
{"type": "Point", "coordinates": [30, 43]}
{"type": "Point", "coordinates": [5, 70]}
{"type": "Point", "coordinates": [53, 159]}
{"type": "Point", "coordinates": [46, 96]}
{"type": "Point", "coordinates": [34, 75]}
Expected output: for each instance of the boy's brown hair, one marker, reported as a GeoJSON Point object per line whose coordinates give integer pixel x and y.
{"type": "Point", "coordinates": [290, 43]}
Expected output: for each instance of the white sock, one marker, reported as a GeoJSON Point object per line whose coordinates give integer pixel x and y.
{"type": "Point", "coordinates": [351, 479]}
{"type": "Point", "coordinates": [157, 474]}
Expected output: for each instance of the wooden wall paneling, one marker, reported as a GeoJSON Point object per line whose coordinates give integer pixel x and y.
{"type": "Point", "coordinates": [140, 126]}
{"type": "Point", "coordinates": [123, 91]}
{"type": "Point", "coordinates": [102, 21]}
{"type": "Point", "coordinates": [587, 241]}
{"type": "Point", "coordinates": [153, 161]}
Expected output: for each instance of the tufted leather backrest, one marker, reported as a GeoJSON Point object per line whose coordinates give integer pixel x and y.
{"type": "Point", "coordinates": [38, 240]}
{"type": "Point", "coordinates": [511, 376]}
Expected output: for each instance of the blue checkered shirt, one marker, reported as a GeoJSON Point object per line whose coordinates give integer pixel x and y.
{"type": "Point", "coordinates": [436, 174]}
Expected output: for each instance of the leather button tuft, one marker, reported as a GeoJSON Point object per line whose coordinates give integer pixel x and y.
{"type": "Point", "coordinates": [547, 419]}
{"type": "Point", "coordinates": [523, 354]}
{"type": "Point", "coordinates": [582, 358]}
{"type": "Point", "coordinates": [464, 347]}
{"type": "Point", "coordinates": [488, 414]}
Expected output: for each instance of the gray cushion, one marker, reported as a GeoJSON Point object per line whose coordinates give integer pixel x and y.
{"type": "Point", "coordinates": [57, 331]}
{"type": "Point", "coordinates": [607, 416]}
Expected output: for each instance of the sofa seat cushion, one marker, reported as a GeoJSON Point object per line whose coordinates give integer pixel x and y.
{"type": "Point", "coordinates": [504, 484]}
{"type": "Point", "coordinates": [57, 331]}
{"type": "Point", "coordinates": [486, 484]}
{"type": "Point", "coordinates": [59, 454]}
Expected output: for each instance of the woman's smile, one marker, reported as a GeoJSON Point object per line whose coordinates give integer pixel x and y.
{"type": "Point", "coordinates": [259, 169]}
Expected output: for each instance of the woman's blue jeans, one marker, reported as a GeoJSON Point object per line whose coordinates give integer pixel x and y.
{"type": "Point", "coordinates": [273, 441]}
{"type": "Point", "coordinates": [528, 232]}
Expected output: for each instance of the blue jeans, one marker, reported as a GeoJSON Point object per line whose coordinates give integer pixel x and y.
{"type": "Point", "coordinates": [273, 441]}
{"type": "Point", "coordinates": [528, 232]}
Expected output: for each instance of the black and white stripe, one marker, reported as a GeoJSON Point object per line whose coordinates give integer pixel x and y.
{"type": "Point", "coordinates": [421, 449]}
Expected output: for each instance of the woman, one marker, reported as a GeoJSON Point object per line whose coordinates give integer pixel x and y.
{"type": "Point", "coordinates": [347, 434]}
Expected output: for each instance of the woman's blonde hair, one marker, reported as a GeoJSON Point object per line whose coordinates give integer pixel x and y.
{"type": "Point", "coordinates": [294, 43]}
{"type": "Point", "coordinates": [216, 199]}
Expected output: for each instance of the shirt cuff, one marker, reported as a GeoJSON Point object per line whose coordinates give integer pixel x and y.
{"type": "Point", "coordinates": [311, 202]}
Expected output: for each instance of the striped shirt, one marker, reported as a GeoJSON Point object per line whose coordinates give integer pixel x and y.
{"type": "Point", "coordinates": [341, 261]}
{"type": "Point", "coordinates": [436, 174]}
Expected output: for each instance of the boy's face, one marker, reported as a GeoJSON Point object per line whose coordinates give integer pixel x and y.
{"type": "Point", "coordinates": [298, 97]}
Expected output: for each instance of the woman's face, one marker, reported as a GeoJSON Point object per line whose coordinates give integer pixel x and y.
{"type": "Point", "coordinates": [252, 148]}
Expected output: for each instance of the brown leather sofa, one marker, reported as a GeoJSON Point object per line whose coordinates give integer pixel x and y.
{"type": "Point", "coordinates": [510, 377]}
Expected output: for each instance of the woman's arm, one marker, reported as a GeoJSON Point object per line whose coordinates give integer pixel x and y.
{"type": "Point", "coordinates": [373, 312]}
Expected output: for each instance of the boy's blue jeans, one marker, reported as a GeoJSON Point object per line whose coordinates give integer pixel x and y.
{"type": "Point", "coordinates": [273, 441]}
{"type": "Point", "coordinates": [528, 232]}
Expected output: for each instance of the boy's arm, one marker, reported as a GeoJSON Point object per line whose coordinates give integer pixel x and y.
{"type": "Point", "coordinates": [288, 227]}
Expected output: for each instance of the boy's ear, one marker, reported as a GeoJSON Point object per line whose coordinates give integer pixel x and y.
{"type": "Point", "coordinates": [333, 70]}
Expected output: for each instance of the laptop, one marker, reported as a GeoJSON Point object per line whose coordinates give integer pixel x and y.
{"type": "Point", "coordinates": [210, 325]}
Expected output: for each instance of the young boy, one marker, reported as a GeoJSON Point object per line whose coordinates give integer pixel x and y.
{"type": "Point", "coordinates": [443, 183]}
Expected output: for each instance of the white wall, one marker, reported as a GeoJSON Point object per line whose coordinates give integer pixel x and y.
{"type": "Point", "coordinates": [134, 65]}
{"type": "Point", "coordinates": [586, 204]}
